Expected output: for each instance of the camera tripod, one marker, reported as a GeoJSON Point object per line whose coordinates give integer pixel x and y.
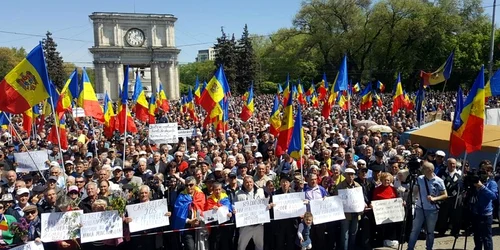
{"type": "Point", "coordinates": [408, 210]}
{"type": "Point", "coordinates": [460, 205]}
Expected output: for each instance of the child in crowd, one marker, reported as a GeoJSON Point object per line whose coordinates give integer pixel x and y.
{"type": "Point", "coordinates": [304, 231]}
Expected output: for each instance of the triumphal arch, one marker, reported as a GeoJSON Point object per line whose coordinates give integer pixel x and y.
{"type": "Point", "coordinates": [146, 42]}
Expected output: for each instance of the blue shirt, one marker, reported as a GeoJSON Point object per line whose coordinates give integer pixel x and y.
{"type": "Point", "coordinates": [436, 187]}
{"type": "Point", "coordinates": [483, 204]}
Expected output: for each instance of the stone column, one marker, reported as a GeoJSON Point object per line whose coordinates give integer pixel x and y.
{"type": "Point", "coordinates": [171, 81]}
{"type": "Point", "coordinates": [155, 78]}
{"type": "Point", "coordinates": [176, 81]}
{"type": "Point", "coordinates": [117, 82]}
{"type": "Point", "coordinates": [163, 73]}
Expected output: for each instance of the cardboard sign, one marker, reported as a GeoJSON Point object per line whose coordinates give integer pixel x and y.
{"type": "Point", "coordinates": [289, 205]}
{"type": "Point", "coordinates": [163, 133]}
{"type": "Point", "coordinates": [60, 226]}
{"type": "Point", "coordinates": [30, 245]}
{"type": "Point", "coordinates": [252, 212]}
{"type": "Point", "coordinates": [101, 226]}
{"type": "Point", "coordinates": [327, 209]}
{"type": "Point", "coordinates": [26, 164]}
{"type": "Point", "coordinates": [388, 211]}
{"type": "Point", "coordinates": [352, 199]}
{"type": "Point", "coordinates": [148, 215]}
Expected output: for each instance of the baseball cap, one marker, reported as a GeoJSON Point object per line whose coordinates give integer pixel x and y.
{"type": "Point", "coordinates": [72, 188]}
{"type": "Point", "coordinates": [54, 164]}
{"type": "Point", "coordinates": [89, 154]}
{"type": "Point", "coordinates": [117, 168]}
{"type": "Point", "coordinates": [69, 162]}
{"type": "Point", "coordinates": [218, 167]}
{"type": "Point", "coordinates": [440, 153]}
{"type": "Point", "coordinates": [53, 178]}
{"type": "Point", "coordinates": [22, 191]}
{"type": "Point", "coordinates": [258, 155]}
{"type": "Point", "coordinates": [349, 171]}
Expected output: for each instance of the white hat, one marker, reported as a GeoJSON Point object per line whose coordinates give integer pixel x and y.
{"type": "Point", "coordinates": [117, 168]}
{"type": "Point", "coordinates": [246, 136]}
{"type": "Point", "coordinates": [314, 167]}
{"type": "Point", "coordinates": [335, 145]}
{"type": "Point", "coordinates": [361, 161]}
{"type": "Point", "coordinates": [254, 144]}
{"type": "Point", "coordinates": [349, 171]}
{"type": "Point", "coordinates": [55, 164]}
{"type": "Point", "coordinates": [258, 155]}
{"type": "Point", "coordinates": [440, 153]}
{"type": "Point", "coordinates": [22, 191]}
{"type": "Point", "coordinates": [69, 162]}
{"type": "Point", "coordinates": [143, 152]}
{"type": "Point", "coordinates": [219, 167]}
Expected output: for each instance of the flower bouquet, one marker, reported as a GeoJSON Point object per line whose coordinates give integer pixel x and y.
{"type": "Point", "coordinates": [118, 201]}
{"type": "Point", "coordinates": [20, 229]}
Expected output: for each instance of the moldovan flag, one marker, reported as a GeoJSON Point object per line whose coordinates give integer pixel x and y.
{"type": "Point", "coordinates": [152, 109]}
{"type": "Point", "coordinates": [378, 100]}
{"type": "Point", "coordinates": [457, 145]}
{"type": "Point", "coordinates": [162, 101]}
{"type": "Point", "coordinates": [197, 91]}
{"type": "Point", "coordinates": [472, 116]}
{"type": "Point", "coordinates": [190, 106]}
{"type": "Point", "coordinates": [88, 100]}
{"type": "Point", "coordinates": [248, 106]}
{"type": "Point", "coordinates": [356, 88]}
{"type": "Point", "coordinates": [141, 105]}
{"type": "Point", "coordinates": [380, 86]}
{"type": "Point", "coordinates": [59, 124]}
{"type": "Point", "coordinates": [441, 74]}
{"type": "Point", "coordinates": [366, 98]}
{"type": "Point", "coordinates": [286, 126]}
{"type": "Point", "coordinates": [215, 92]}
{"type": "Point", "coordinates": [323, 88]}
{"type": "Point", "coordinates": [399, 98]}
{"type": "Point", "coordinates": [26, 85]}
{"type": "Point", "coordinates": [286, 92]}
{"type": "Point", "coordinates": [69, 92]}
{"type": "Point", "coordinates": [296, 148]}
{"type": "Point", "coordinates": [327, 106]}
{"type": "Point", "coordinates": [123, 117]}
{"type": "Point", "coordinates": [315, 101]}
{"type": "Point", "coordinates": [274, 119]}
{"type": "Point", "coordinates": [311, 90]}
{"type": "Point", "coordinates": [109, 116]}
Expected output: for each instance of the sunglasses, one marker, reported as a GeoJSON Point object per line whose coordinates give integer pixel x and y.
{"type": "Point", "coordinates": [191, 185]}
{"type": "Point", "coordinates": [30, 212]}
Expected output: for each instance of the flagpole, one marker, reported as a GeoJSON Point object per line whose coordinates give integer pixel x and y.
{"type": "Point", "coordinates": [24, 145]}
{"type": "Point", "coordinates": [459, 186]}
{"type": "Point", "coordinates": [125, 132]}
{"type": "Point", "coordinates": [57, 130]}
{"type": "Point", "coordinates": [350, 119]}
{"type": "Point", "coordinates": [444, 86]}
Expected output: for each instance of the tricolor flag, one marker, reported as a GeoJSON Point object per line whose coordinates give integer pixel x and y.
{"type": "Point", "coordinates": [190, 106]}
{"type": "Point", "coordinates": [286, 126]}
{"type": "Point", "coordinates": [356, 88]}
{"type": "Point", "coordinates": [215, 93]}
{"type": "Point", "coordinates": [342, 78]}
{"type": "Point", "coordinates": [248, 106]}
{"type": "Point", "coordinates": [88, 99]}
{"type": "Point", "coordinates": [70, 91]}
{"type": "Point", "coordinates": [59, 124]}
{"type": "Point", "coordinates": [109, 116]}
{"type": "Point", "coordinates": [366, 98]}
{"type": "Point", "coordinates": [399, 98]}
{"type": "Point", "coordinates": [457, 144]}
{"type": "Point", "coordinates": [162, 101]}
{"type": "Point", "coordinates": [380, 86]}
{"type": "Point", "coordinates": [323, 88]}
{"type": "Point", "coordinates": [197, 91]}
{"type": "Point", "coordinates": [140, 103]}
{"type": "Point", "coordinates": [26, 85]}
{"type": "Point", "coordinates": [492, 87]}
{"type": "Point", "coordinates": [441, 74]}
{"type": "Point", "coordinates": [274, 119]}
{"type": "Point", "coordinates": [123, 117]}
{"type": "Point", "coordinates": [296, 147]}
{"type": "Point", "coordinates": [152, 110]}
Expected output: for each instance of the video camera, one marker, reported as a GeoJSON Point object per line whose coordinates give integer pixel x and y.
{"type": "Point", "coordinates": [413, 165]}
{"type": "Point", "coordinates": [473, 177]}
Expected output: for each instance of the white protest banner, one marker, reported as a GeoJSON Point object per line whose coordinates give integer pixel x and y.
{"type": "Point", "coordinates": [353, 199]}
{"type": "Point", "coordinates": [101, 226]}
{"type": "Point", "coordinates": [148, 215]}
{"type": "Point", "coordinates": [388, 211]}
{"type": "Point", "coordinates": [163, 133]}
{"type": "Point", "coordinates": [187, 133]}
{"type": "Point", "coordinates": [289, 205]}
{"type": "Point", "coordinates": [26, 164]}
{"type": "Point", "coordinates": [222, 214]}
{"type": "Point", "coordinates": [78, 112]}
{"type": "Point", "coordinates": [209, 216]}
{"type": "Point", "coordinates": [326, 210]}
{"type": "Point", "coordinates": [30, 245]}
{"type": "Point", "coordinates": [252, 212]}
{"type": "Point", "coordinates": [61, 226]}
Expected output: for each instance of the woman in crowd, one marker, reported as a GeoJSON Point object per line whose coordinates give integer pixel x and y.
{"type": "Point", "coordinates": [383, 192]}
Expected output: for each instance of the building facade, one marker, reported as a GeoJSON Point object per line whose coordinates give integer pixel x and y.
{"type": "Point", "coordinates": [144, 42]}
{"type": "Point", "coordinates": [206, 55]}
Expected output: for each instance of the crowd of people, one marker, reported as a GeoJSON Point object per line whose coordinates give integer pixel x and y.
{"type": "Point", "coordinates": [242, 163]}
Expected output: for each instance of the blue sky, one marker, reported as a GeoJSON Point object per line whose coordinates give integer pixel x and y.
{"type": "Point", "coordinates": [199, 21]}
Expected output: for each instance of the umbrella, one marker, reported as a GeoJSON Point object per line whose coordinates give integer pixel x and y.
{"type": "Point", "coordinates": [365, 123]}
{"type": "Point", "coordinates": [380, 128]}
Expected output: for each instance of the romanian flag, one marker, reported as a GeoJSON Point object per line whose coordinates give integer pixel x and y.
{"type": "Point", "coordinates": [183, 104]}
{"type": "Point", "coordinates": [380, 86]}
{"type": "Point", "coordinates": [457, 145]}
{"type": "Point", "coordinates": [221, 121]}
{"type": "Point", "coordinates": [141, 105]}
{"type": "Point", "coordinates": [286, 126]}
{"type": "Point", "coordinates": [203, 87]}
{"type": "Point", "coordinates": [342, 79]}
{"type": "Point", "coordinates": [185, 203]}
{"type": "Point", "coordinates": [109, 116]}
{"type": "Point", "coordinates": [197, 91]}
{"type": "Point", "coordinates": [59, 124]}
{"type": "Point", "coordinates": [492, 88]}
{"type": "Point", "coordinates": [28, 120]}
{"type": "Point", "coordinates": [213, 201]}
{"type": "Point", "coordinates": [315, 100]}
{"type": "Point", "coordinates": [301, 96]}
{"type": "Point", "coordinates": [356, 88]}
{"type": "Point", "coordinates": [248, 106]}
{"type": "Point", "coordinates": [162, 101]}
{"type": "Point", "coordinates": [342, 101]}
{"type": "Point", "coordinates": [441, 74]}
{"type": "Point", "coordinates": [399, 98]}
{"type": "Point", "coordinates": [286, 91]}
{"type": "Point", "coordinates": [296, 148]}
{"type": "Point", "coordinates": [332, 97]}
{"type": "Point", "coordinates": [124, 120]}
{"type": "Point", "coordinates": [407, 100]}
{"type": "Point", "coordinates": [26, 85]}
{"type": "Point", "coordinates": [70, 91]}
{"type": "Point", "coordinates": [190, 106]}
{"type": "Point", "coordinates": [366, 98]}
{"type": "Point", "coordinates": [311, 90]}
{"type": "Point", "coordinates": [88, 100]}
{"type": "Point", "coordinates": [274, 119]}
{"type": "Point", "coordinates": [152, 110]}
{"type": "Point", "coordinates": [215, 93]}
{"type": "Point", "coordinates": [472, 116]}
{"type": "Point", "coordinates": [378, 100]}
{"type": "Point", "coordinates": [323, 88]}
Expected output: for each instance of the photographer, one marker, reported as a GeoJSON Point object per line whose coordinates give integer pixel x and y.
{"type": "Point", "coordinates": [482, 206]}
{"type": "Point", "coordinates": [429, 190]}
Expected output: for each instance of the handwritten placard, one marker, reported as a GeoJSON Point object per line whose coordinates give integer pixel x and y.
{"type": "Point", "coordinates": [352, 199]}
{"type": "Point", "coordinates": [147, 215]}
{"type": "Point", "coordinates": [101, 226]}
{"type": "Point", "coordinates": [289, 205]}
{"type": "Point", "coordinates": [252, 212]}
{"type": "Point", "coordinates": [163, 133]}
{"type": "Point", "coordinates": [60, 226]}
{"type": "Point", "coordinates": [388, 211]}
{"type": "Point", "coordinates": [30, 245]}
{"type": "Point", "coordinates": [28, 164]}
{"type": "Point", "coordinates": [222, 214]}
{"type": "Point", "coordinates": [326, 210]}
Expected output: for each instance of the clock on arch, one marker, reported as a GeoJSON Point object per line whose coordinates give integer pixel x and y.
{"type": "Point", "coordinates": [135, 37]}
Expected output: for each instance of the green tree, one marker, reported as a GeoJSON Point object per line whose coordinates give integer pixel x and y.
{"type": "Point", "coordinates": [203, 70]}
{"type": "Point", "coordinates": [54, 61]}
{"type": "Point", "coordinates": [9, 58]}
{"type": "Point", "coordinates": [245, 66]}
{"type": "Point", "coordinates": [226, 56]}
